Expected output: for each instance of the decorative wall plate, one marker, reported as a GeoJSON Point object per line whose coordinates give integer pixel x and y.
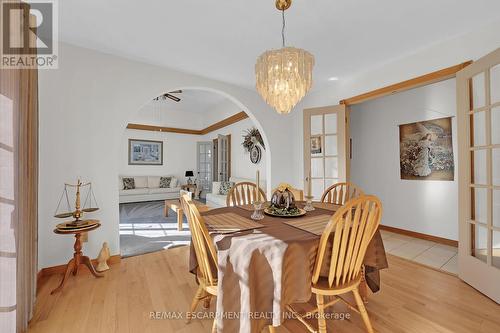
{"type": "Point", "coordinates": [255, 154]}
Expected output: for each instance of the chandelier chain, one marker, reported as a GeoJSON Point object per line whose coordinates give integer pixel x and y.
{"type": "Point", "coordinates": [283, 27]}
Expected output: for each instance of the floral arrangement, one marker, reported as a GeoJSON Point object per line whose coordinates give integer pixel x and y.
{"type": "Point", "coordinates": [251, 138]}
{"type": "Point", "coordinates": [284, 186]}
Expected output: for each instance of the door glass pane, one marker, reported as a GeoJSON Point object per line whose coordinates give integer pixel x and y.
{"type": "Point", "coordinates": [496, 208]}
{"type": "Point", "coordinates": [478, 91]}
{"type": "Point", "coordinates": [479, 120]}
{"type": "Point", "coordinates": [317, 167]}
{"type": "Point", "coordinates": [317, 188]}
{"type": "Point", "coordinates": [495, 84]}
{"type": "Point", "coordinates": [317, 124]}
{"type": "Point", "coordinates": [495, 125]}
{"type": "Point", "coordinates": [495, 259]}
{"type": "Point", "coordinates": [496, 166]}
{"type": "Point", "coordinates": [331, 145]}
{"type": "Point", "coordinates": [317, 146]}
{"type": "Point", "coordinates": [480, 205]}
{"type": "Point", "coordinates": [479, 158]}
{"type": "Point", "coordinates": [331, 167]}
{"type": "Point", "coordinates": [480, 240]}
{"type": "Point", "coordinates": [330, 182]}
{"type": "Point", "coordinates": [331, 123]}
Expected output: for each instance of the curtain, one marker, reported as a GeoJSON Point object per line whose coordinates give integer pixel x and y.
{"type": "Point", "coordinates": [18, 196]}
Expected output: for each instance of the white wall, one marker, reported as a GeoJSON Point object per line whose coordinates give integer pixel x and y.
{"type": "Point", "coordinates": [241, 166]}
{"type": "Point", "coordinates": [179, 154]}
{"type": "Point", "coordinates": [426, 206]}
{"type": "Point", "coordinates": [470, 46]}
{"type": "Point", "coordinates": [85, 106]}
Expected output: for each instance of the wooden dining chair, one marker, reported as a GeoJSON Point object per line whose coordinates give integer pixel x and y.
{"type": "Point", "coordinates": [243, 193]}
{"type": "Point", "coordinates": [205, 252]}
{"type": "Point", "coordinates": [297, 193]}
{"type": "Point", "coordinates": [341, 251]}
{"type": "Point", "coordinates": [340, 193]}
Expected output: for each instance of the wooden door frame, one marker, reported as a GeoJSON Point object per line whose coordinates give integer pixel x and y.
{"type": "Point", "coordinates": [420, 81]}
{"type": "Point", "coordinates": [423, 80]}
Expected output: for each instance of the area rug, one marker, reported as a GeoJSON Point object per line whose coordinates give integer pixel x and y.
{"type": "Point", "coordinates": [144, 229]}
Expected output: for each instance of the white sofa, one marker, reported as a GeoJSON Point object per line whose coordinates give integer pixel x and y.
{"type": "Point", "coordinates": [147, 188]}
{"type": "Point", "coordinates": [216, 200]}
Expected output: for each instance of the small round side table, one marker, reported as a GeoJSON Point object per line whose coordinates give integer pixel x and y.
{"type": "Point", "coordinates": [78, 257]}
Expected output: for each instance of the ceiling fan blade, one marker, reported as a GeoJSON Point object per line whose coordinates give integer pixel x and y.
{"type": "Point", "coordinates": [175, 92]}
{"type": "Point", "coordinates": [172, 97]}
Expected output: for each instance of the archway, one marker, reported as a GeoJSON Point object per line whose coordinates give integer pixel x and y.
{"type": "Point", "coordinates": [143, 228]}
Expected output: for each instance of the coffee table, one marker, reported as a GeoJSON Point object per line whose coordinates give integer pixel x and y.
{"type": "Point", "coordinates": [175, 205]}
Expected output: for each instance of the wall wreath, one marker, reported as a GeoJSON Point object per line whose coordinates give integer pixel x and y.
{"type": "Point", "coordinates": [251, 142]}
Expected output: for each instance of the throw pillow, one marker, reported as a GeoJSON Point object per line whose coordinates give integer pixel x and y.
{"type": "Point", "coordinates": [128, 183]}
{"type": "Point", "coordinates": [165, 182]}
{"type": "Point", "coordinates": [225, 187]}
{"type": "Point", "coordinates": [174, 182]}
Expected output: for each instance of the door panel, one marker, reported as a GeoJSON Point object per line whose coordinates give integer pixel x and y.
{"type": "Point", "coordinates": [479, 229]}
{"type": "Point", "coordinates": [325, 147]}
{"type": "Point", "coordinates": [223, 155]}
{"type": "Point", "coordinates": [204, 153]}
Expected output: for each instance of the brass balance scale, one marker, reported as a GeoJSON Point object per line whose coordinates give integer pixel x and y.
{"type": "Point", "coordinates": [77, 227]}
{"type": "Point", "coordinates": [89, 205]}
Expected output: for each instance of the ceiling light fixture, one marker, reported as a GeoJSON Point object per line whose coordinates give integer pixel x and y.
{"type": "Point", "coordinates": [284, 76]}
{"type": "Point", "coordinates": [333, 78]}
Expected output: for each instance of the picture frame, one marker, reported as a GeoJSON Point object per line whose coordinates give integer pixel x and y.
{"type": "Point", "coordinates": [145, 152]}
{"type": "Point", "coordinates": [316, 145]}
{"type": "Point", "coordinates": [426, 150]}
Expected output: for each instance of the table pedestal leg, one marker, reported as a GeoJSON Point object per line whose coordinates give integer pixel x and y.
{"type": "Point", "coordinates": [70, 267]}
{"type": "Point", "coordinates": [74, 264]}
{"type": "Point", "coordinates": [87, 262]}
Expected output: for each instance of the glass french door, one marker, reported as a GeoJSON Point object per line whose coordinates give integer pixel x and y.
{"type": "Point", "coordinates": [223, 157]}
{"type": "Point", "coordinates": [324, 147]}
{"type": "Point", "coordinates": [205, 159]}
{"type": "Point", "coordinates": [478, 102]}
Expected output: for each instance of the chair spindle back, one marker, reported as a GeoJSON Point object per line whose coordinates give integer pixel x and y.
{"type": "Point", "coordinates": [243, 194]}
{"type": "Point", "coordinates": [204, 248]}
{"type": "Point", "coordinates": [349, 232]}
{"type": "Point", "coordinates": [340, 193]}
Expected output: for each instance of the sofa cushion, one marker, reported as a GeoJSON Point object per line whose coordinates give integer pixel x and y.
{"type": "Point", "coordinates": [154, 181]}
{"type": "Point", "coordinates": [225, 187]}
{"type": "Point", "coordinates": [136, 191]}
{"type": "Point", "coordinates": [174, 182]}
{"type": "Point", "coordinates": [215, 187]}
{"type": "Point", "coordinates": [165, 182]}
{"type": "Point", "coordinates": [216, 200]}
{"type": "Point", "coordinates": [163, 190]}
{"type": "Point", "coordinates": [141, 181]}
{"type": "Point", "coordinates": [128, 183]}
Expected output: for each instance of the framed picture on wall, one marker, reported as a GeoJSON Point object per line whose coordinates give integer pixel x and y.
{"type": "Point", "coordinates": [145, 152]}
{"type": "Point", "coordinates": [426, 150]}
{"type": "Point", "coordinates": [316, 145]}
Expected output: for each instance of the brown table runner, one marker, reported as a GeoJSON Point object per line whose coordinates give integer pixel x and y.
{"type": "Point", "coordinates": [262, 270]}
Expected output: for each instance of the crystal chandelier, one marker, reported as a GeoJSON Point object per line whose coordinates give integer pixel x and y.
{"type": "Point", "coordinates": [284, 76]}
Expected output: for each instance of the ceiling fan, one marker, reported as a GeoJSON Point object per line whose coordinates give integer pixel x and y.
{"type": "Point", "coordinates": [170, 96]}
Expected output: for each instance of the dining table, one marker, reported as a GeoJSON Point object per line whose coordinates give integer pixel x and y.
{"type": "Point", "coordinates": [262, 270]}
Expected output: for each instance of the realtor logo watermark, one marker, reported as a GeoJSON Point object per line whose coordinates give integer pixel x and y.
{"type": "Point", "coordinates": [29, 34]}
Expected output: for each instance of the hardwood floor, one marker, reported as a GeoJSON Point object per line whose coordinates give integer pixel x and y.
{"type": "Point", "coordinates": [413, 299]}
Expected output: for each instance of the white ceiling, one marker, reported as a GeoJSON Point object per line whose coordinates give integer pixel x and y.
{"type": "Point", "coordinates": [221, 39]}
{"type": "Point", "coordinates": [192, 101]}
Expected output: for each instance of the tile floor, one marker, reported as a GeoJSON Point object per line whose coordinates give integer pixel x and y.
{"type": "Point", "coordinates": [426, 252]}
